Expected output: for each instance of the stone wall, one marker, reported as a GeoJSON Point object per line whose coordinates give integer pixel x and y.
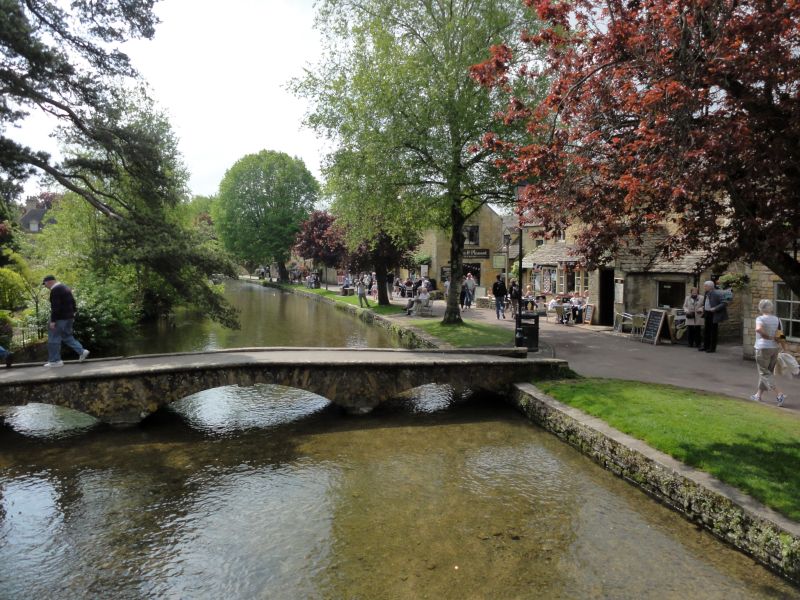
{"type": "Point", "coordinates": [735, 518]}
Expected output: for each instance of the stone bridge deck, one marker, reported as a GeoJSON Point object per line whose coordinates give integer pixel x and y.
{"type": "Point", "coordinates": [124, 391]}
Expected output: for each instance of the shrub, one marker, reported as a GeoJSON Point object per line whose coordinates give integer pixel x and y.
{"type": "Point", "coordinates": [12, 289]}
{"type": "Point", "coordinates": [106, 313]}
{"type": "Point", "coordinates": [6, 329]}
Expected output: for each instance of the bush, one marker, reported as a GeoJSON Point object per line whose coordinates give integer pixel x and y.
{"type": "Point", "coordinates": [106, 314]}
{"type": "Point", "coordinates": [12, 289]}
{"type": "Point", "coordinates": [6, 329]}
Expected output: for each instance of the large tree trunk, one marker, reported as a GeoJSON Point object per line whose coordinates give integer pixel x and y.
{"type": "Point", "coordinates": [381, 270]}
{"type": "Point", "coordinates": [786, 267]}
{"type": "Point", "coordinates": [452, 312]}
{"type": "Point", "coordinates": [283, 274]}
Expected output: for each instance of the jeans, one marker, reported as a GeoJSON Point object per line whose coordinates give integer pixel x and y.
{"type": "Point", "coordinates": [61, 333]}
{"type": "Point", "coordinates": [500, 307]}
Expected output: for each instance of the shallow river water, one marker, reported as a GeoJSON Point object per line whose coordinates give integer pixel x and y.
{"type": "Point", "coordinates": [270, 492]}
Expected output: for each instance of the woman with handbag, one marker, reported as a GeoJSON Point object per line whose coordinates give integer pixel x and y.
{"type": "Point", "coordinates": [693, 309]}
{"type": "Point", "coordinates": [768, 344]}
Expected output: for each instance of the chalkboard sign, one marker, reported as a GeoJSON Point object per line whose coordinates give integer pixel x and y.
{"type": "Point", "coordinates": [653, 325]}
{"type": "Point", "coordinates": [588, 313]}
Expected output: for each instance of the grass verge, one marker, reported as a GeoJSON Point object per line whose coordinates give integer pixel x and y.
{"type": "Point", "coordinates": [466, 335]}
{"type": "Point", "coordinates": [753, 447]}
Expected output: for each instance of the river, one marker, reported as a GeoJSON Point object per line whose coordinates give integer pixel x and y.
{"type": "Point", "coordinates": [271, 492]}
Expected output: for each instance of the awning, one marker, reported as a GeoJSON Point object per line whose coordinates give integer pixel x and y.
{"type": "Point", "coordinates": [550, 255]}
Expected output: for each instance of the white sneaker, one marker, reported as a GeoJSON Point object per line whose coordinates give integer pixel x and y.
{"type": "Point", "coordinates": [83, 356]}
{"type": "Point", "coordinates": [58, 363]}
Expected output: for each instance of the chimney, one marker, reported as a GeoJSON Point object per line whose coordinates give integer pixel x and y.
{"type": "Point", "coordinates": [30, 202]}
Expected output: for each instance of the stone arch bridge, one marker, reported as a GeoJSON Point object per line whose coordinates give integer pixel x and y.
{"type": "Point", "coordinates": [124, 391]}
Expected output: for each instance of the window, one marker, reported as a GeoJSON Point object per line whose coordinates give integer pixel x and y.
{"type": "Point", "coordinates": [787, 309]}
{"type": "Point", "coordinates": [471, 235]}
{"type": "Point", "coordinates": [671, 294]}
{"type": "Point", "coordinates": [34, 226]}
{"type": "Point", "coordinates": [539, 243]}
{"type": "Point", "coordinates": [475, 269]}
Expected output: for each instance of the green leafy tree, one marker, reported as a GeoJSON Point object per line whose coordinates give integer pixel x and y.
{"type": "Point", "coordinates": [263, 199]}
{"type": "Point", "coordinates": [396, 97]}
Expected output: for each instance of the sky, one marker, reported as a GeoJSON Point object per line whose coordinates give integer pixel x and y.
{"type": "Point", "coordinates": [220, 71]}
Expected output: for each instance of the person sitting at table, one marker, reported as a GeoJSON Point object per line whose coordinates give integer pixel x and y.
{"type": "Point", "coordinates": [528, 291]}
{"type": "Point", "coordinates": [567, 306]}
{"type": "Point", "coordinates": [577, 303]}
{"type": "Point", "coordinates": [413, 302]}
{"type": "Point", "coordinates": [552, 304]}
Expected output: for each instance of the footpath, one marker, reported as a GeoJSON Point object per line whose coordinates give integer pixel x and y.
{"type": "Point", "coordinates": [594, 351]}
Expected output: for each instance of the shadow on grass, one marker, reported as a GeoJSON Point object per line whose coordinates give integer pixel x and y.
{"type": "Point", "coordinates": [765, 470]}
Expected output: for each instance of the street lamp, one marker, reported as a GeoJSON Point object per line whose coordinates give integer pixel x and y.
{"type": "Point", "coordinates": [519, 335]}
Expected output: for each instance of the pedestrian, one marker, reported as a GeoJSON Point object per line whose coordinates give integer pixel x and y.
{"type": "Point", "coordinates": [715, 311]}
{"type": "Point", "coordinates": [693, 310]}
{"type": "Point", "coordinates": [462, 297]}
{"type": "Point", "coordinates": [361, 291]}
{"type": "Point", "coordinates": [768, 329]}
{"type": "Point", "coordinates": [62, 318]}
{"type": "Point", "coordinates": [499, 292]}
{"type": "Point", "coordinates": [514, 293]}
{"type": "Point", "coordinates": [471, 283]}
{"type": "Point", "coordinates": [6, 356]}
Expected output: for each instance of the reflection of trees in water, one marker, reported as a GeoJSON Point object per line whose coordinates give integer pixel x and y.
{"type": "Point", "coordinates": [269, 318]}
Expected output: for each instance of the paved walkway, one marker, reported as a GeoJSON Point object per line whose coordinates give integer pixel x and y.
{"type": "Point", "coordinates": [595, 351]}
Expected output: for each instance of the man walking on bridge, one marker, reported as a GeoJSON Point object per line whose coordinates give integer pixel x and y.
{"type": "Point", "coordinates": [62, 317]}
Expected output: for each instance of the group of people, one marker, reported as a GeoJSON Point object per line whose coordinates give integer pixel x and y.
{"type": "Point", "coordinates": [573, 305]}
{"type": "Point", "coordinates": [420, 293]}
{"type": "Point", "coordinates": [704, 312]}
{"type": "Point", "coordinates": [59, 329]}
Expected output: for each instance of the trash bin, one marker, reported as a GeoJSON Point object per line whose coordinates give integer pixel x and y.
{"type": "Point", "coordinates": [530, 329]}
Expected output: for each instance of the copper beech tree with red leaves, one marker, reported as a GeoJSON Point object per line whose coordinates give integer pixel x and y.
{"type": "Point", "coordinates": [684, 113]}
{"type": "Point", "coordinates": [320, 241]}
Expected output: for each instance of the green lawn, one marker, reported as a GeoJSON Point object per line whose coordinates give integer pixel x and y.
{"type": "Point", "coordinates": [373, 305]}
{"type": "Point", "coordinates": [466, 334]}
{"type": "Point", "coordinates": [753, 447]}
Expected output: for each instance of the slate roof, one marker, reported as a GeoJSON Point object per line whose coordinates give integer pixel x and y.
{"type": "Point", "coordinates": [651, 260]}
{"type": "Point", "coordinates": [34, 214]}
{"type": "Point", "coordinates": [550, 255]}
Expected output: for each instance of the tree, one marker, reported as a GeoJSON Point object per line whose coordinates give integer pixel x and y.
{"type": "Point", "coordinates": [396, 93]}
{"type": "Point", "coordinates": [66, 63]}
{"type": "Point", "coordinates": [262, 201]}
{"type": "Point", "coordinates": [684, 113]}
{"type": "Point", "coordinates": [382, 253]}
{"type": "Point", "coordinates": [320, 240]}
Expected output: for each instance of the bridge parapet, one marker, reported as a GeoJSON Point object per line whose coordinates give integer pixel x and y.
{"type": "Point", "coordinates": [123, 392]}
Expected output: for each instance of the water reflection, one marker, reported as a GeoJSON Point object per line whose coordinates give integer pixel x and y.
{"type": "Point", "coordinates": [46, 421]}
{"type": "Point", "coordinates": [299, 501]}
{"type": "Point", "coordinates": [233, 409]}
{"type": "Point", "coordinates": [269, 318]}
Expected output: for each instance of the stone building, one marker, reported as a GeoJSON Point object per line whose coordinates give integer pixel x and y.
{"type": "Point", "coordinates": [763, 283]}
{"type": "Point", "coordinates": [484, 236]}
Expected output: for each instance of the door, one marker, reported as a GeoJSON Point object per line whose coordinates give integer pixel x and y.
{"type": "Point", "coordinates": [605, 312]}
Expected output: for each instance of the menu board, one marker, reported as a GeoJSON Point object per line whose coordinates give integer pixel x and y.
{"type": "Point", "coordinates": [588, 313]}
{"type": "Point", "coordinates": [653, 325]}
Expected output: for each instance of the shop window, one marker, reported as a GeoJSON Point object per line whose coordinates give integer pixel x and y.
{"type": "Point", "coordinates": [475, 269]}
{"type": "Point", "coordinates": [787, 309]}
{"type": "Point", "coordinates": [671, 294]}
{"type": "Point", "coordinates": [471, 235]}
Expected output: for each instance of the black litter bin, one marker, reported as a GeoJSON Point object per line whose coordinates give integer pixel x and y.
{"type": "Point", "coordinates": [530, 329]}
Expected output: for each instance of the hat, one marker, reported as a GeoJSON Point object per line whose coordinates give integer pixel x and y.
{"type": "Point", "coordinates": [48, 278]}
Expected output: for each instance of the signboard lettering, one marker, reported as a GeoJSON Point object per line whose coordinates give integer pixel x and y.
{"type": "Point", "coordinates": [476, 253]}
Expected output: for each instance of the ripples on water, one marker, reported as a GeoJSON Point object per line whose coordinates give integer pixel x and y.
{"type": "Point", "coordinates": [269, 492]}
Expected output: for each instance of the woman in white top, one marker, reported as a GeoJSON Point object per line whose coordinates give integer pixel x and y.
{"type": "Point", "coordinates": [767, 329]}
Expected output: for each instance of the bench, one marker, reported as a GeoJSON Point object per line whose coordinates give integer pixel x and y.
{"type": "Point", "coordinates": [348, 291]}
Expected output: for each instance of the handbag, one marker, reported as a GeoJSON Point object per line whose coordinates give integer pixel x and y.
{"type": "Point", "coordinates": [690, 315]}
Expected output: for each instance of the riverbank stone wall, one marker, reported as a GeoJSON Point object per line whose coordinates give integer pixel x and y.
{"type": "Point", "coordinates": [768, 537]}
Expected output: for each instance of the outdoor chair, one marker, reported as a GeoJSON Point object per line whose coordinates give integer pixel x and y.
{"type": "Point", "coordinates": [637, 325]}
{"type": "Point", "coordinates": [425, 308]}
{"type": "Point", "coordinates": [560, 314]}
